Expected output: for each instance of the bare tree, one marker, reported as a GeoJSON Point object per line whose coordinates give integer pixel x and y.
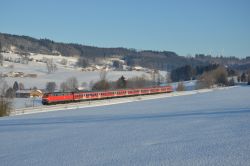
{"type": "Point", "coordinates": [21, 86]}
{"type": "Point", "coordinates": [158, 79]}
{"type": "Point", "coordinates": [168, 78]}
{"type": "Point", "coordinates": [64, 87]}
{"type": "Point", "coordinates": [71, 84]}
{"type": "Point", "coordinates": [84, 85]}
{"type": "Point", "coordinates": [102, 84]}
{"type": "Point", "coordinates": [153, 77]}
{"type": "Point", "coordinates": [3, 86]}
{"type": "Point", "coordinates": [50, 86]}
{"type": "Point", "coordinates": [5, 102]}
{"type": "Point", "coordinates": [24, 59]}
{"type": "Point", "coordinates": [1, 59]}
{"type": "Point", "coordinates": [91, 84]}
{"type": "Point", "coordinates": [51, 67]}
{"type": "Point", "coordinates": [103, 74]}
{"type": "Point", "coordinates": [5, 106]}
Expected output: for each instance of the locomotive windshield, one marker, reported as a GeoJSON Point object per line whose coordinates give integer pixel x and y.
{"type": "Point", "coordinates": [46, 95]}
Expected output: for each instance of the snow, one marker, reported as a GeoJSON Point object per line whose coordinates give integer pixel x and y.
{"type": "Point", "coordinates": [60, 75]}
{"type": "Point", "coordinates": [210, 128]}
{"type": "Point", "coordinates": [26, 102]}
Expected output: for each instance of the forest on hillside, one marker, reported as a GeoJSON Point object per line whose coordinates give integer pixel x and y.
{"type": "Point", "coordinates": [163, 60]}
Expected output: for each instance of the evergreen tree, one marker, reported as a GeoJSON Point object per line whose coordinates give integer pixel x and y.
{"type": "Point", "coordinates": [121, 83]}
{"type": "Point", "coordinates": [243, 77]}
{"type": "Point", "coordinates": [10, 93]}
{"type": "Point", "coordinates": [15, 86]}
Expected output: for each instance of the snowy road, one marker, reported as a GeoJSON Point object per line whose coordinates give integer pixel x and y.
{"type": "Point", "coordinates": [203, 129]}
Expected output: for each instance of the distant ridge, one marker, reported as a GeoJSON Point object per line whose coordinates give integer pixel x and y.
{"type": "Point", "coordinates": [164, 60]}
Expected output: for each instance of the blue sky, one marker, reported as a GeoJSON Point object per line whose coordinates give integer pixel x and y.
{"type": "Point", "coordinates": [184, 26]}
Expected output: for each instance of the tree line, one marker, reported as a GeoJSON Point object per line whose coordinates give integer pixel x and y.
{"type": "Point", "coordinates": [188, 72]}
{"type": "Point", "coordinates": [163, 60]}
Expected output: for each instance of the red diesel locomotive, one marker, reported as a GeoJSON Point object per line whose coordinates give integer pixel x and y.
{"type": "Point", "coordinates": [66, 97]}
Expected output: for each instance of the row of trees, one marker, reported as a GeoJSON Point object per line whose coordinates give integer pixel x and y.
{"type": "Point", "coordinates": [71, 84]}
{"type": "Point", "coordinates": [123, 83]}
{"type": "Point", "coordinates": [219, 77]}
{"type": "Point", "coordinates": [188, 72]}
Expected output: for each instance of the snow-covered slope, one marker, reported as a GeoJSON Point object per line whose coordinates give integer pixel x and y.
{"type": "Point", "coordinates": [58, 76]}
{"type": "Point", "coordinates": [204, 129]}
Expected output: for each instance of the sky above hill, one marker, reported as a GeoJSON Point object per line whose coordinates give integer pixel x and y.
{"type": "Point", "coordinates": [217, 27]}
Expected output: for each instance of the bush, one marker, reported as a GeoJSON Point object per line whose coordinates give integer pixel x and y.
{"type": "Point", "coordinates": [64, 62]}
{"type": "Point", "coordinates": [101, 85]}
{"type": "Point", "coordinates": [205, 81]}
{"type": "Point", "coordinates": [220, 76]}
{"type": "Point", "coordinates": [217, 76]}
{"type": "Point", "coordinates": [180, 87]}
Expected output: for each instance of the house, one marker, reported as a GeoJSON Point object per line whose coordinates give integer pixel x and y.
{"type": "Point", "coordinates": [23, 93]}
{"type": "Point", "coordinates": [27, 93]}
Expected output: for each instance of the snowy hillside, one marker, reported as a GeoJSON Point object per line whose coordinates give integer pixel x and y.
{"type": "Point", "coordinates": [204, 129]}
{"type": "Point", "coordinates": [61, 74]}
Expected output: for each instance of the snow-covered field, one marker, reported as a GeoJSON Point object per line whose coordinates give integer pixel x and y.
{"type": "Point", "coordinates": [210, 128]}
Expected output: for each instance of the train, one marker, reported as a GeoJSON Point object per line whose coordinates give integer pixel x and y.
{"type": "Point", "coordinates": [68, 97]}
